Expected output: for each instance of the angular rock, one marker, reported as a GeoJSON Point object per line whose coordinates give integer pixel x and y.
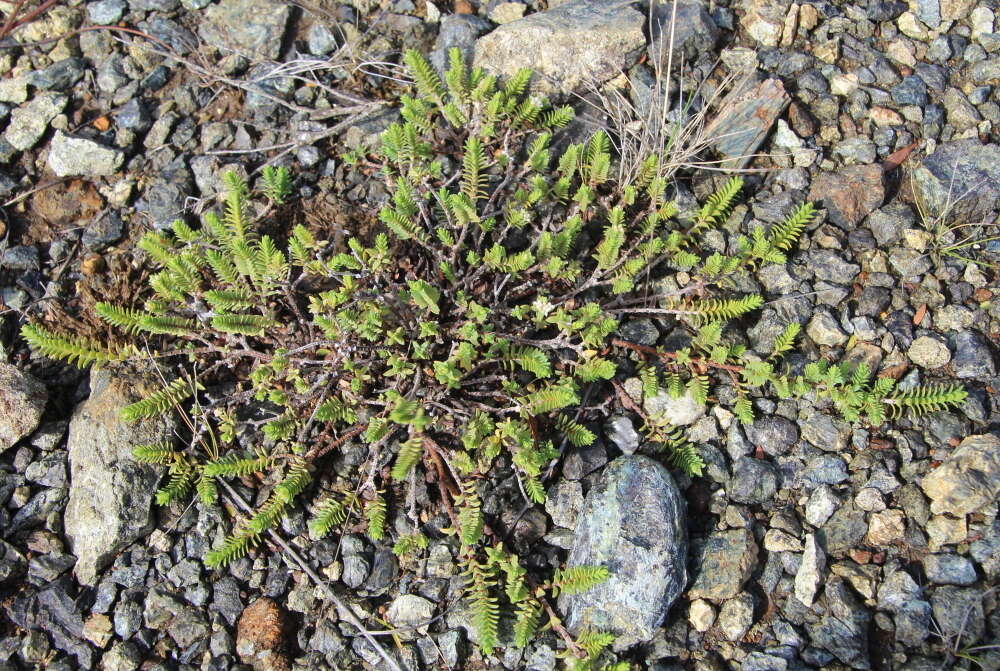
{"type": "Point", "coordinates": [960, 181]}
{"type": "Point", "coordinates": [843, 630]}
{"type": "Point", "coordinates": [29, 121]}
{"type": "Point", "coordinates": [694, 32]}
{"type": "Point", "coordinates": [22, 401]}
{"type": "Point", "coordinates": [679, 411]}
{"type": "Point", "coordinates": [409, 611]}
{"type": "Point", "coordinates": [969, 479]}
{"type": "Point", "coordinates": [110, 493]}
{"type": "Point", "coordinates": [900, 595]}
{"type": "Point", "coordinates": [578, 43]}
{"type": "Point", "coordinates": [929, 352]}
{"type": "Point", "coordinates": [81, 157]}
{"type": "Point", "coordinates": [632, 522]}
{"type": "Point", "coordinates": [748, 112]}
{"type": "Point", "coordinates": [973, 357]}
{"type": "Point", "coordinates": [723, 564]}
{"type": "Point", "coordinates": [253, 28]}
{"type": "Point", "coordinates": [851, 194]}
{"type": "Point", "coordinates": [810, 573]}
{"type": "Point", "coordinates": [736, 616]}
{"type": "Point", "coordinates": [754, 481]}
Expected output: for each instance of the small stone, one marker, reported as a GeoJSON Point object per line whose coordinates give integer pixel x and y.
{"type": "Point", "coordinates": [748, 114]}
{"type": "Point", "coordinates": [964, 167]}
{"type": "Point", "coordinates": [764, 21]}
{"type": "Point", "coordinates": [408, 611]}
{"type": "Point", "coordinates": [973, 357]}
{"type": "Point", "coordinates": [106, 12]}
{"type": "Point", "coordinates": [97, 629]}
{"type": "Point", "coordinates": [870, 500]}
{"type": "Point", "coordinates": [619, 430]}
{"type": "Point", "coordinates": [884, 117]}
{"type": "Point", "coordinates": [30, 121]}
{"type": "Point", "coordinates": [563, 503]}
{"type": "Point", "coordinates": [701, 615]}
{"type": "Point", "coordinates": [693, 33]}
{"type": "Point", "coordinates": [723, 564]}
{"type": "Point", "coordinates": [929, 352]}
{"type": "Point", "coordinates": [81, 157]}
{"type": "Point", "coordinates": [567, 46]}
{"type": "Point", "coordinates": [776, 540]}
{"type": "Point", "coordinates": [505, 12]}
{"type": "Point", "coordinates": [824, 330]}
{"type": "Point", "coordinates": [320, 40]}
{"type": "Point", "coordinates": [754, 481]}
{"type": "Point", "coordinates": [844, 85]}
{"type": "Point", "coordinates": [969, 479]}
{"type": "Point", "coordinates": [22, 401]}
{"type": "Point", "coordinates": [679, 411]}
{"type": "Point", "coordinates": [949, 569]}
{"type": "Point", "coordinates": [851, 194]}
{"type": "Point", "coordinates": [253, 28]}
{"type": "Point", "coordinates": [736, 616]}
{"type": "Point", "coordinates": [900, 595]}
{"type": "Point", "coordinates": [821, 505]}
{"type": "Point", "coordinates": [945, 530]}
{"type": "Point", "coordinates": [810, 573]}
{"type": "Point", "coordinates": [886, 527]}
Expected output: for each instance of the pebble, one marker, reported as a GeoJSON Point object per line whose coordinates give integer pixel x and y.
{"type": "Point", "coordinates": [701, 615]}
{"type": "Point", "coordinates": [723, 564]}
{"type": "Point", "coordinates": [949, 569]}
{"type": "Point", "coordinates": [29, 121]}
{"type": "Point", "coordinates": [80, 157]}
{"type": "Point", "coordinates": [736, 617]}
{"type": "Point", "coordinates": [810, 573]}
{"type": "Point", "coordinates": [968, 479]}
{"type": "Point", "coordinates": [929, 352]}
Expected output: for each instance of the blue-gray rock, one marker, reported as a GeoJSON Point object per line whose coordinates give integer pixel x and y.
{"type": "Point", "coordinates": [105, 230]}
{"type": "Point", "coordinates": [959, 609]}
{"type": "Point", "coordinates": [111, 494]}
{"type": "Point", "coordinates": [694, 32]}
{"type": "Point", "coordinates": [13, 565]}
{"type": "Point", "coordinates": [620, 431]}
{"type": "Point", "coordinates": [134, 115]}
{"type": "Point", "coordinates": [849, 194]}
{"type": "Point", "coordinates": [900, 595]}
{"type": "Point", "coordinates": [578, 43]}
{"type": "Point", "coordinates": [633, 523]}
{"type": "Point", "coordinates": [154, 5]}
{"type": "Point", "coordinates": [911, 91]}
{"type": "Point", "coordinates": [844, 530]}
{"type": "Point", "coordinates": [320, 40]}
{"type": "Point", "coordinates": [960, 180]}
{"type": "Point", "coordinates": [166, 194]}
{"type": "Point", "coordinates": [253, 28]}
{"type": "Point", "coordinates": [948, 569]}
{"type": "Point", "coordinates": [104, 12]}
{"type": "Point", "coordinates": [843, 630]}
{"type": "Point", "coordinates": [753, 481]}
{"type": "Point", "coordinates": [458, 31]}
{"type": "Point", "coordinates": [60, 76]}
{"type": "Point", "coordinates": [973, 356]}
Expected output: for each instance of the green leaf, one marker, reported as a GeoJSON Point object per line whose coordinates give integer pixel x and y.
{"type": "Point", "coordinates": [425, 296]}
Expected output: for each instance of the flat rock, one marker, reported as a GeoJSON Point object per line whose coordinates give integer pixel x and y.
{"type": "Point", "coordinates": [253, 28]}
{"type": "Point", "coordinates": [110, 494]}
{"type": "Point", "coordinates": [969, 479]}
{"type": "Point", "coordinates": [850, 194]}
{"type": "Point", "coordinates": [960, 181]}
{"type": "Point", "coordinates": [632, 522]}
{"type": "Point", "coordinates": [578, 43]}
{"type": "Point", "coordinates": [748, 112]}
{"type": "Point", "coordinates": [80, 157]}
{"type": "Point", "coordinates": [22, 401]}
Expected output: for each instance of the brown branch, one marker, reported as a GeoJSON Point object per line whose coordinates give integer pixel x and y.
{"type": "Point", "coordinates": [671, 357]}
{"type": "Point", "coordinates": [318, 451]}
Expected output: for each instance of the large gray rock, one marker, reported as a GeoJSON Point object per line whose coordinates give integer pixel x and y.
{"type": "Point", "coordinates": [572, 45]}
{"type": "Point", "coordinates": [110, 494]}
{"type": "Point", "coordinates": [968, 480]}
{"type": "Point", "coordinates": [82, 157]}
{"type": "Point", "coordinates": [22, 400]}
{"type": "Point", "coordinates": [960, 180]}
{"type": "Point", "coordinates": [632, 522]}
{"type": "Point", "coordinates": [253, 28]}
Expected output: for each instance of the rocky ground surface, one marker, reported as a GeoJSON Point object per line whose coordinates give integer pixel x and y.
{"type": "Point", "coordinates": [813, 544]}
